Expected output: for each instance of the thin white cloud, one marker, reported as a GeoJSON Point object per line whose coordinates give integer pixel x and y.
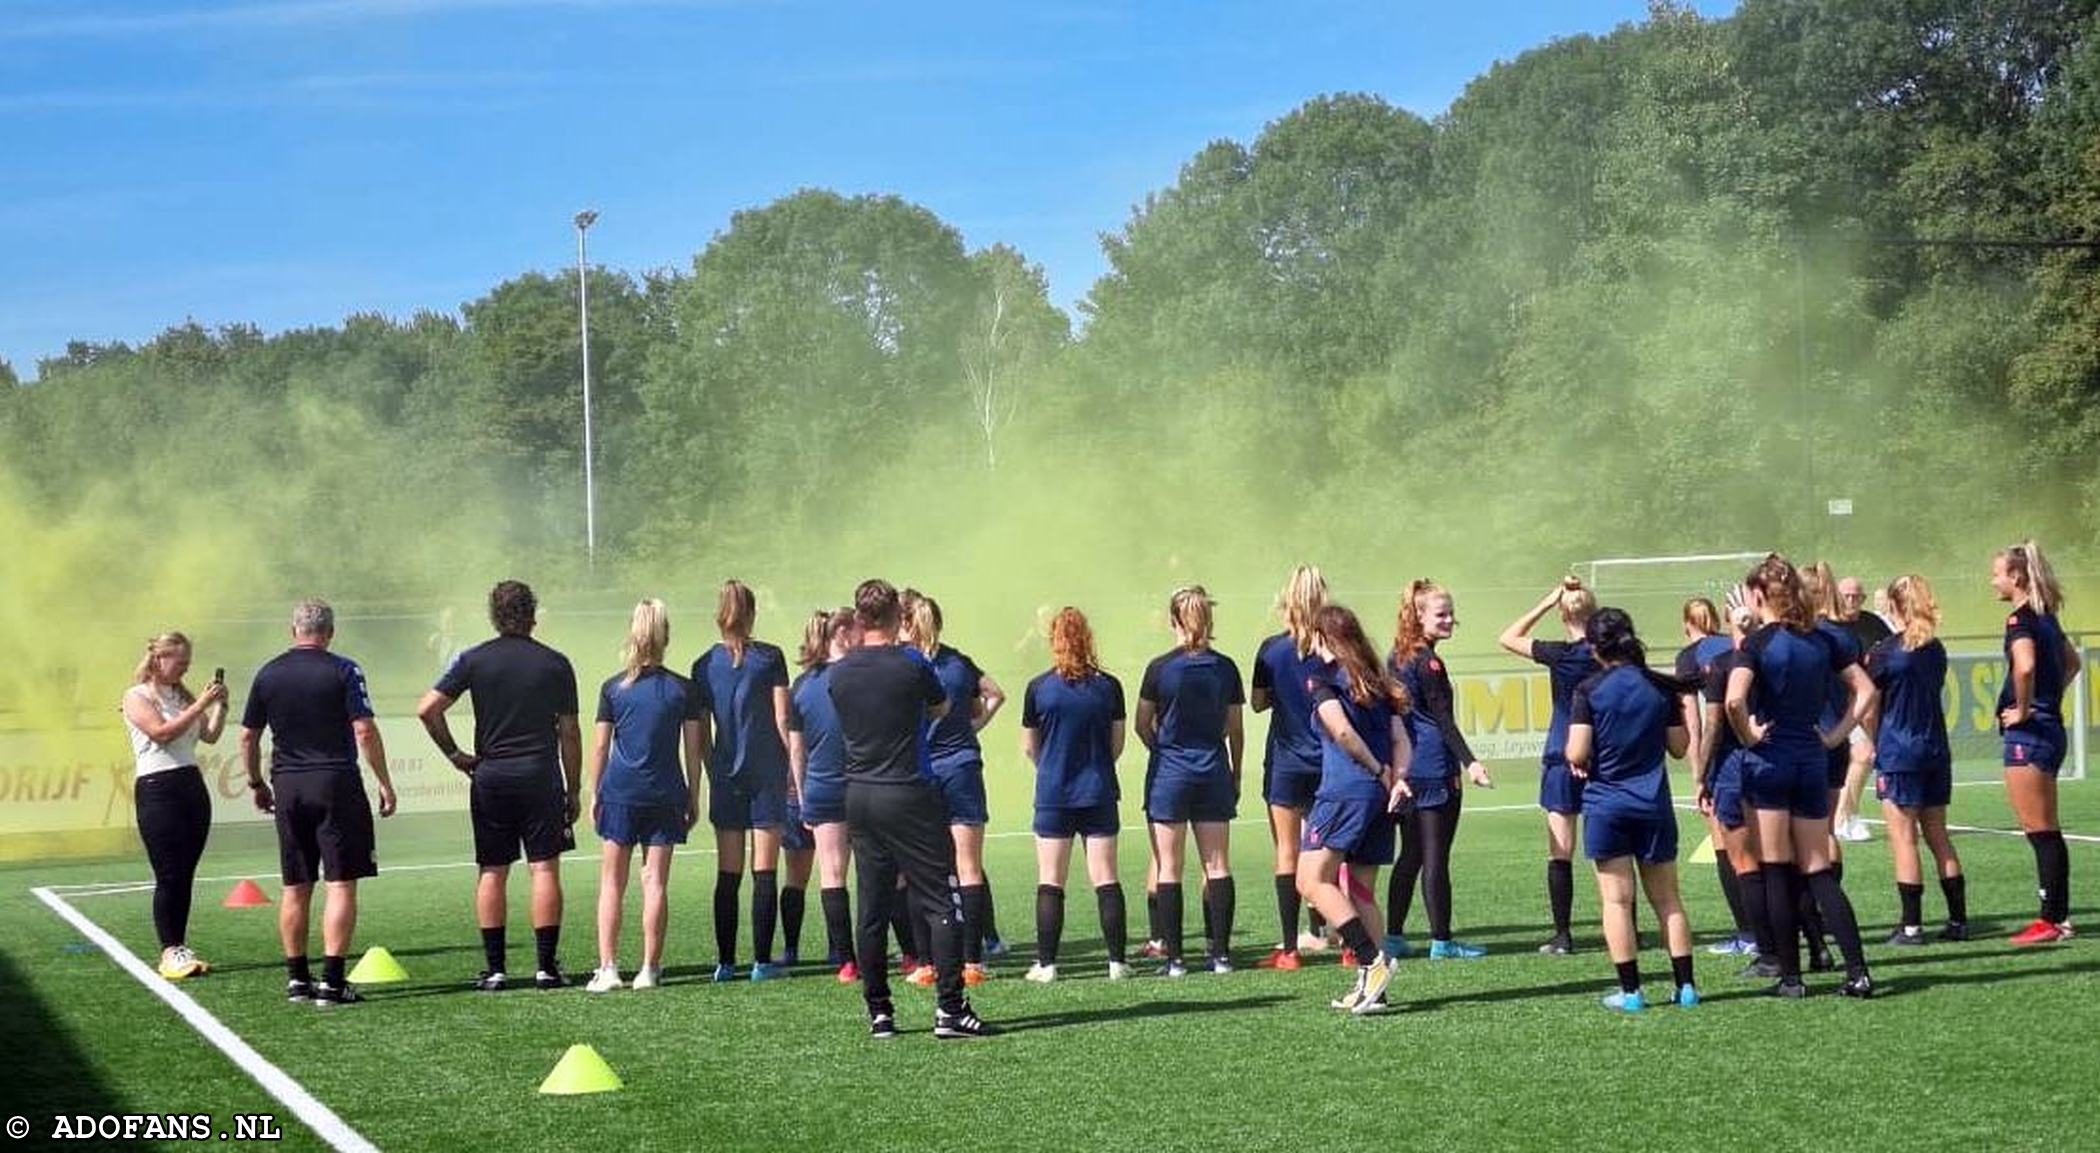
{"type": "Point", "coordinates": [288, 14]}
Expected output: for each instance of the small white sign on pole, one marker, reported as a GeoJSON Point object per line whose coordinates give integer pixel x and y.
{"type": "Point", "coordinates": [1841, 506]}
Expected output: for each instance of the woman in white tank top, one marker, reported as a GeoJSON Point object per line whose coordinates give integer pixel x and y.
{"type": "Point", "coordinates": [166, 721]}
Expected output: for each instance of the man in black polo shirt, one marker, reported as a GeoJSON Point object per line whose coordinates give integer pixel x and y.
{"type": "Point", "coordinates": [884, 695]}
{"type": "Point", "coordinates": [525, 772]}
{"type": "Point", "coordinates": [319, 714]}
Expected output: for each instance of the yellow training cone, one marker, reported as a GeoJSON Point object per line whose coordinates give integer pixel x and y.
{"type": "Point", "coordinates": [581, 1070]}
{"type": "Point", "coordinates": [378, 967]}
{"type": "Point", "coordinates": [1704, 854]}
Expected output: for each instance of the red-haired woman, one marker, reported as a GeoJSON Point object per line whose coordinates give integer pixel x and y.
{"type": "Point", "coordinates": [1429, 820]}
{"type": "Point", "coordinates": [1072, 730]}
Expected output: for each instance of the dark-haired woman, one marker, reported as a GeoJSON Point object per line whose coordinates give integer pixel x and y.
{"type": "Point", "coordinates": [166, 721]}
{"type": "Point", "coordinates": [744, 685]}
{"type": "Point", "coordinates": [974, 698]}
{"type": "Point", "coordinates": [1188, 716]}
{"type": "Point", "coordinates": [1706, 643]}
{"type": "Point", "coordinates": [816, 758]}
{"type": "Point", "coordinates": [2040, 665]}
{"type": "Point", "coordinates": [1776, 694]}
{"type": "Point", "coordinates": [1072, 730]}
{"type": "Point", "coordinates": [1914, 774]}
{"type": "Point", "coordinates": [1429, 819]}
{"type": "Point", "coordinates": [1621, 724]}
{"type": "Point", "coordinates": [1364, 754]}
{"type": "Point", "coordinates": [1567, 663]}
{"type": "Point", "coordinates": [1285, 671]}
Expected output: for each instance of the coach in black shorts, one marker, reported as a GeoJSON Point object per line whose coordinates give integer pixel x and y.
{"type": "Point", "coordinates": [319, 714]}
{"type": "Point", "coordinates": [524, 772]}
{"type": "Point", "coordinates": [884, 695]}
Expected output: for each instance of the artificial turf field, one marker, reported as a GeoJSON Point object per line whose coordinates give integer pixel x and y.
{"type": "Point", "coordinates": [1975, 1046]}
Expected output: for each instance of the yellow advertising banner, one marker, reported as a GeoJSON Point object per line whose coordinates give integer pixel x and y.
{"type": "Point", "coordinates": [49, 802]}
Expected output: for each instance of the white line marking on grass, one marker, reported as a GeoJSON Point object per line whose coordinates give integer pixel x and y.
{"type": "Point", "coordinates": [279, 1084]}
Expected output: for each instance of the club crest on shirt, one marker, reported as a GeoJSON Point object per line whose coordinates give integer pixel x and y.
{"type": "Point", "coordinates": [2013, 619]}
{"type": "Point", "coordinates": [1435, 665]}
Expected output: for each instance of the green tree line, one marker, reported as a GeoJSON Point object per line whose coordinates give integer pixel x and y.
{"type": "Point", "coordinates": [1662, 290]}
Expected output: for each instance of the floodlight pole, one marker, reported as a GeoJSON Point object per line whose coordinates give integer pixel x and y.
{"type": "Point", "coordinates": [584, 220]}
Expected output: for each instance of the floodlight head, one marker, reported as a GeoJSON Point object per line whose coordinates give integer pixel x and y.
{"type": "Point", "coordinates": [585, 219]}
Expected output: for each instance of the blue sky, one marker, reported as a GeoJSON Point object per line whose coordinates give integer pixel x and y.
{"type": "Point", "coordinates": [288, 162]}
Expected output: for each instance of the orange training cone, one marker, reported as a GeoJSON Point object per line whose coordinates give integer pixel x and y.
{"type": "Point", "coordinates": [246, 895]}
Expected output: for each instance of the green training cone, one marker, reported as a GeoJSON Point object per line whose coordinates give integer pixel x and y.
{"type": "Point", "coordinates": [581, 1070]}
{"type": "Point", "coordinates": [1704, 854]}
{"type": "Point", "coordinates": [378, 967]}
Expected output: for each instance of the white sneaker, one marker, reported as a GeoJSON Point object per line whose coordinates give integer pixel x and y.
{"type": "Point", "coordinates": [1040, 973]}
{"type": "Point", "coordinates": [648, 977]}
{"type": "Point", "coordinates": [1311, 943]}
{"type": "Point", "coordinates": [1854, 829]}
{"type": "Point", "coordinates": [607, 978]}
{"type": "Point", "coordinates": [1118, 971]}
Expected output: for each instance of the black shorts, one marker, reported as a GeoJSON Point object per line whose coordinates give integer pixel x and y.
{"type": "Point", "coordinates": [324, 826]}
{"type": "Point", "coordinates": [518, 802]}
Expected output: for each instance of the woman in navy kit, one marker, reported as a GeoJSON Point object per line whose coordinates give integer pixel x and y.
{"type": "Point", "coordinates": [1285, 669]}
{"type": "Point", "coordinates": [646, 714]}
{"type": "Point", "coordinates": [2040, 664]}
{"type": "Point", "coordinates": [974, 698]}
{"type": "Point", "coordinates": [1364, 755]}
{"type": "Point", "coordinates": [816, 760]}
{"type": "Point", "coordinates": [1188, 716]}
{"type": "Point", "coordinates": [1072, 730]}
{"type": "Point", "coordinates": [1621, 721]}
{"type": "Point", "coordinates": [1429, 820]}
{"type": "Point", "coordinates": [1777, 692]}
{"type": "Point", "coordinates": [1718, 778]}
{"type": "Point", "coordinates": [1705, 643]}
{"type": "Point", "coordinates": [744, 684]}
{"type": "Point", "coordinates": [1914, 774]}
{"type": "Point", "coordinates": [1560, 791]}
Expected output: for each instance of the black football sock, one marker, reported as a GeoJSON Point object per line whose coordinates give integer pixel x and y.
{"type": "Point", "coordinates": [1752, 884]}
{"type": "Point", "coordinates": [837, 905]}
{"type": "Point", "coordinates": [546, 944]}
{"type": "Point", "coordinates": [1783, 915]}
{"type": "Point", "coordinates": [1912, 900]}
{"type": "Point", "coordinates": [1224, 902]}
{"type": "Point", "coordinates": [1115, 930]}
{"type": "Point", "coordinates": [1049, 923]}
{"type": "Point", "coordinates": [1357, 939]}
{"type": "Point", "coordinates": [1681, 969]}
{"type": "Point", "coordinates": [1837, 913]}
{"type": "Point", "coordinates": [1170, 919]}
{"type": "Point", "coordinates": [296, 969]}
{"type": "Point", "coordinates": [1560, 894]}
{"type": "Point", "coordinates": [765, 913]}
{"type": "Point", "coordinates": [332, 971]}
{"type": "Point", "coordinates": [791, 905]}
{"type": "Point", "coordinates": [494, 949]}
{"type": "Point", "coordinates": [1629, 975]}
{"type": "Point", "coordinates": [1287, 904]}
{"type": "Point", "coordinates": [975, 900]}
{"type": "Point", "coordinates": [726, 887]}
{"type": "Point", "coordinates": [1732, 892]}
{"type": "Point", "coordinates": [1956, 890]}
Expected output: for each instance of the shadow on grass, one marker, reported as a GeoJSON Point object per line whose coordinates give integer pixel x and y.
{"type": "Point", "coordinates": [1140, 1011]}
{"type": "Point", "coordinates": [278, 965]}
{"type": "Point", "coordinates": [43, 1067]}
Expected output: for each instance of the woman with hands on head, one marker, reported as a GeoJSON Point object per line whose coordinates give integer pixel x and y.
{"type": "Point", "coordinates": [1567, 663]}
